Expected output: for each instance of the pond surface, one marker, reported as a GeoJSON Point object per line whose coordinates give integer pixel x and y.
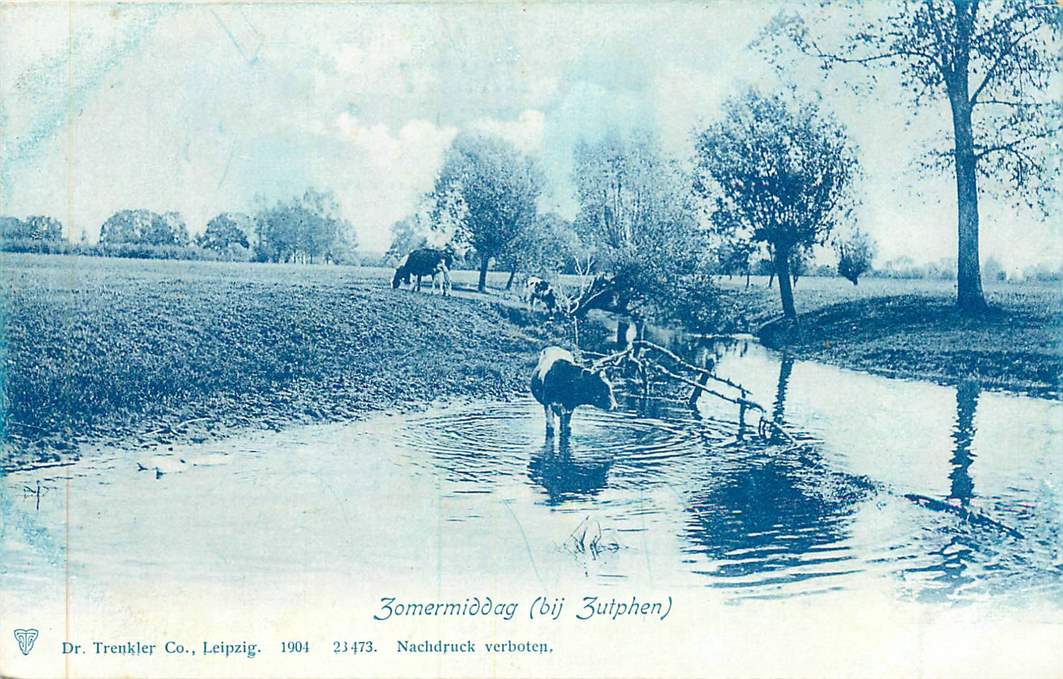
{"type": "Point", "coordinates": [923, 491]}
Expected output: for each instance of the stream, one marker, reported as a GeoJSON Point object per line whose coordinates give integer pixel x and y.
{"type": "Point", "coordinates": [654, 495]}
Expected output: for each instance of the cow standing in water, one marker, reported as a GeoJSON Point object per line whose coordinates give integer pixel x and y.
{"type": "Point", "coordinates": [561, 385]}
{"type": "Point", "coordinates": [425, 262]}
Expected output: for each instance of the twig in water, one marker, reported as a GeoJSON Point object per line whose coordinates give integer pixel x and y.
{"type": "Point", "coordinates": [969, 515]}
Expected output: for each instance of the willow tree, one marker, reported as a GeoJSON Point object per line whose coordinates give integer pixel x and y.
{"type": "Point", "coordinates": [778, 172]}
{"type": "Point", "coordinates": [489, 190]}
{"type": "Point", "coordinates": [637, 211]}
{"type": "Point", "coordinates": [994, 61]}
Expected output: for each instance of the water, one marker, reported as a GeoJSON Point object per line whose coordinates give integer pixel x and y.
{"type": "Point", "coordinates": [930, 493]}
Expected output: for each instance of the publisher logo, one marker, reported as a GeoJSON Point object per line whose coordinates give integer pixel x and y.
{"type": "Point", "coordinates": [25, 639]}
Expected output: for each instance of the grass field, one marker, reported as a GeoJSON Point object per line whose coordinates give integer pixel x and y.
{"type": "Point", "coordinates": [911, 328]}
{"type": "Point", "coordinates": [161, 350]}
{"type": "Point", "coordinates": [147, 351]}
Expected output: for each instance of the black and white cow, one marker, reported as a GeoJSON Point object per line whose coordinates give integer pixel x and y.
{"type": "Point", "coordinates": [425, 262]}
{"type": "Point", "coordinates": [538, 290]}
{"type": "Point", "coordinates": [561, 385]}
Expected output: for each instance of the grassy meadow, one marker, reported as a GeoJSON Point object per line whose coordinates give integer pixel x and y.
{"type": "Point", "coordinates": [911, 328]}
{"type": "Point", "coordinates": [149, 351]}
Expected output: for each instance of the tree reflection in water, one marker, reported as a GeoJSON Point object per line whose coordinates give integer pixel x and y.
{"type": "Point", "coordinates": [779, 512]}
{"type": "Point", "coordinates": [958, 546]}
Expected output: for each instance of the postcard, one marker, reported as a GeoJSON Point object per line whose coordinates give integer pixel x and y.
{"type": "Point", "coordinates": [544, 339]}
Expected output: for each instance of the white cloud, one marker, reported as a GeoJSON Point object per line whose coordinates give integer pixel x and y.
{"type": "Point", "coordinates": [525, 132]}
{"type": "Point", "coordinates": [392, 169]}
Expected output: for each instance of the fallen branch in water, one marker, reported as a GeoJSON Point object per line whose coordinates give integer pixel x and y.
{"type": "Point", "coordinates": [635, 355]}
{"type": "Point", "coordinates": [969, 515]}
{"type": "Point", "coordinates": [689, 366]}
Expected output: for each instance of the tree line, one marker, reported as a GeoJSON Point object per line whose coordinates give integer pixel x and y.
{"type": "Point", "coordinates": [306, 228]}
{"type": "Point", "coordinates": [775, 177]}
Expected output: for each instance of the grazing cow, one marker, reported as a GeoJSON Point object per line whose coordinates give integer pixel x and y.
{"type": "Point", "coordinates": [538, 290]}
{"type": "Point", "coordinates": [425, 262]}
{"type": "Point", "coordinates": [560, 385]}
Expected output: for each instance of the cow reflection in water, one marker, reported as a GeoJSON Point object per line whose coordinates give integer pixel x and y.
{"type": "Point", "coordinates": [568, 475]}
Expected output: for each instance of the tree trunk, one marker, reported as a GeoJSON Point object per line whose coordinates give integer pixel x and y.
{"type": "Point", "coordinates": [969, 294]}
{"type": "Point", "coordinates": [782, 272]}
{"type": "Point", "coordinates": [481, 285]}
{"type": "Point", "coordinates": [509, 283]}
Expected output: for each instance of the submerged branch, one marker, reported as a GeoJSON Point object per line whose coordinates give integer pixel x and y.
{"type": "Point", "coordinates": [633, 355]}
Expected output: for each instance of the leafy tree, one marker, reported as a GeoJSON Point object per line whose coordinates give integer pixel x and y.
{"type": "Point", "coordinates": [36, 227]}
{"type": "Point", "coordinates": [168, 229]}
{"type": "Point", "coordinates": [776, 172]}
{"type": "Point", "coordinates": [41, 227]}
{"type": "Point", "coordinates": [548, 245]}
{"type": "Point", "coordinates": [10, 227]}
{"type": "Point", "coordinates": [306, 228]}
{"type": "Point", "coordinates": [855, 254]}
{"type": "Point", "coordinates": [144, 227]}
{"type": "Point", "coordinates": [489, 190]}
{"type": "Point", "coordinates": [997, 63]}
{"type": "Point", "coordinates": [225, 230]}
{"type": "Point", "coordinates": [407, 234]}
{"type": "Point", "coordinates": [636, 208]}
{"type": "Point", "coordinates": [993, 269]}
{"type": "Point", "coordinates": [735, 256]}
{"type": "Point", "coordinates": [800, 263]}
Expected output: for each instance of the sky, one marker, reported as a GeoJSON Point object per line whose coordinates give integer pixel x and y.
{"type": "Point", "coordinates": [210, 108]}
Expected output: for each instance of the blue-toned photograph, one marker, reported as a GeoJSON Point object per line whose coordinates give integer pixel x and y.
{"type": "Point", "coordinates": [531, 339]}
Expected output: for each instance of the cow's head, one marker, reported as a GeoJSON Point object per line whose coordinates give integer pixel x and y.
{"type": "Point", "coordinates": [598, 390]}
{"type": "Point", "coordinates": [400, 278]}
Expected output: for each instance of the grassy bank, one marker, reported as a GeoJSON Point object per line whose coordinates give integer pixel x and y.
{"type": "Point", "coordinates": [912, 329]}
{"type": "Point", "coordinates": [164, 351]}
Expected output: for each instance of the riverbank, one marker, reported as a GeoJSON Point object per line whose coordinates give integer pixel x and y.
{"type": "Point", "coordinates": [1015, 345]}
{"type": "Point", "coordinates": [141, 353]}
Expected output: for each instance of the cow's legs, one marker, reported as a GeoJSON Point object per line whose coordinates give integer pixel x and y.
{"type": "Point", "coordinates": [446, 280]}
{"type": "Point", "coordinates": [418, 287]}
{"type": "Point", "coordinates": [566, 421]}
{"type": "Point", "coordinates": [549, 420]}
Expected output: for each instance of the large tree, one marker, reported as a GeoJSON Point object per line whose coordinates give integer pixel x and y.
{"type": "Point", "coordinates": [855, 253]}
{"type": "Point", "coordinates": [994, 61]}
{"type": "Point", "coordinates": [407, 234]}
{"type": "Point", "coordinates": [777, 172]}
{"type": "Point", "coordinates": [37, 227]}
{"type": "Point", "coordinates": [548, 245]}
{"type": "Point", "coordinates": [489, 191]}
{"type": "Point", "coordinates": [225, 230]}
